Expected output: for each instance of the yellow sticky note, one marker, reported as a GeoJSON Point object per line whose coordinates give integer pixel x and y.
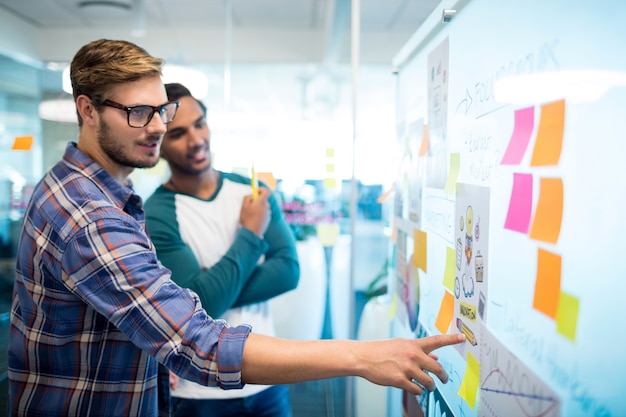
{"type": "Point", "coordinates": [453, 173]}
{"type": "Point", "coordinates": [567, 316]}
{"type": "Point", "coordinates": [393, 308]}
{"type": "Point", "coordinates": [419, 249]}
{"type": "Point", "coordinates": [328, 233]}
{"type": "Point", "coordinates": [446, 312]}
{"type": "Point", "coordinates": [330, 152]}
{"type": "Point", "coordinates": [330, 183]}
{"type": "Point", "coordinates": [330, 167]}
{"type": "Point", "coordinates": [471, 380]}
{"type": "Point", "coordinates": [23, 143]}
{"type": "Point", "coordinates": [449, 272]}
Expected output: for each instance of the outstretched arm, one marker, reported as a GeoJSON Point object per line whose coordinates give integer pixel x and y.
{"type": "Point", "coordinates": [401, 363]}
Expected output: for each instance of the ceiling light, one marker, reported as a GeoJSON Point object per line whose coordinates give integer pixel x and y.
{"type": "Point", "coordinates": [62, 110]}
{"type": "Point", "coordinates": [104, 3]}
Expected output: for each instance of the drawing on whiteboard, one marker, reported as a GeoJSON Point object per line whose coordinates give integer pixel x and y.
{"type": "Point", "coordinates": [439, 405]}
{"type": "Point", "coordinates": [470, 285]}
{"type": "Point", "coordinates": [411, 297]}
{"type": "Point", "coordinates": [469, 240]}
{"type": "Point", "coordinates": [437, 82]}
{"type": "Point", "coordinates": [509, 387]}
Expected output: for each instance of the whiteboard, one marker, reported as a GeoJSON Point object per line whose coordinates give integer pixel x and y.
{"type": "Point", "coordinates": [516, 107]}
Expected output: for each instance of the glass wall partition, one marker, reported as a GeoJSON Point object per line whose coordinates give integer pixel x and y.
{"type": "Point", "coordinates": [20, 168]}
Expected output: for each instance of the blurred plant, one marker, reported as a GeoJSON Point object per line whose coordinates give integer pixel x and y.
{"type": "Point", "coordinates": [378, 285]}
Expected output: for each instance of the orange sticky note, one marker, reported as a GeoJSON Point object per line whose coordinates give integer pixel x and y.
{"type": "Point", "coordinates": [446, 312]}
{"type": "Point", "coordinates": [549, 212]}
{"type": "Point", "coordinates": [419, 249]}
{"type": "Point", "coordinates": [567, 316]}
{"type": "Point", "coordinates": [547, 283]}
{"type": "Point", "coordinates": [384, 197]}
{"type": "Point", "coordinates": [549, 134]}
{"type": "Point", "coordinates": [23, 143]}
{"type": "Point", "coordinates": [394, 231]}
{"type": "Point", "coordinates": [267, 178]}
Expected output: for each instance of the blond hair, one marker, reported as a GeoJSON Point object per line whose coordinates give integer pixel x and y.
{"type": "Point", "coordinates": [101, 64]}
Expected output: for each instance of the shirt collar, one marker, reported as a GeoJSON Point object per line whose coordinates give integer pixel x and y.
{"type": "Point", "coordinates": [117, 192]}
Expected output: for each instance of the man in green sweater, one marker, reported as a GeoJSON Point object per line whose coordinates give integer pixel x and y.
{"type": "Point", "coordinates": [235, 251]}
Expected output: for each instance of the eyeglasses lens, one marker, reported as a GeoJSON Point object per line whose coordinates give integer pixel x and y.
{"type": "Point", "coordinates": [168, 111]}
{"type": "Point", "coordinates": [140, 116]}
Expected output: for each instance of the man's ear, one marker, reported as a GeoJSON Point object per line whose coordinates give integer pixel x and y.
{"type": "Point", "coordinates": [86, 109]}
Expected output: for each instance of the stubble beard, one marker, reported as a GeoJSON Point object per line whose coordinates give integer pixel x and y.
{"type": "Point", "coordinates": [116, 152]}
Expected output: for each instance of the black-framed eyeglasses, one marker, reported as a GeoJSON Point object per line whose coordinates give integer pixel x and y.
{"type": "Point", "coordinates": [140, 116]}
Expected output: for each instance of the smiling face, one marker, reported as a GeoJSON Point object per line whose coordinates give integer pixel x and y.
{"type": "Point", "coordinates": [186, 145]}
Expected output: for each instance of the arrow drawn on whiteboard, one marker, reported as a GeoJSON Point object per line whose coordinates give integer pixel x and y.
{"type": "Point", "coordinates": [467, 100]}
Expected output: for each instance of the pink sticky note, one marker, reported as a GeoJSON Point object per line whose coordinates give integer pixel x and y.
{"type": "Point", "coordinates": [522, 130]}
{"type": "Point", "coordinates": [521, 203]}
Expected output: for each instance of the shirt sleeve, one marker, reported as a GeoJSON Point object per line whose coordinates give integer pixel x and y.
{"type": "Point", "coordinates": [111, 265]}
{"type": "Point", "coordinates": [280, 271]}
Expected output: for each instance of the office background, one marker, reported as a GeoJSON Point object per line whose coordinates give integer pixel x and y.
{"type": "Point", "coordinates": [468, 153]}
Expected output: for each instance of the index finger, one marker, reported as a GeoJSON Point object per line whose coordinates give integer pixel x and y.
{"type": "Point", "coordinates": [431, 343]}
